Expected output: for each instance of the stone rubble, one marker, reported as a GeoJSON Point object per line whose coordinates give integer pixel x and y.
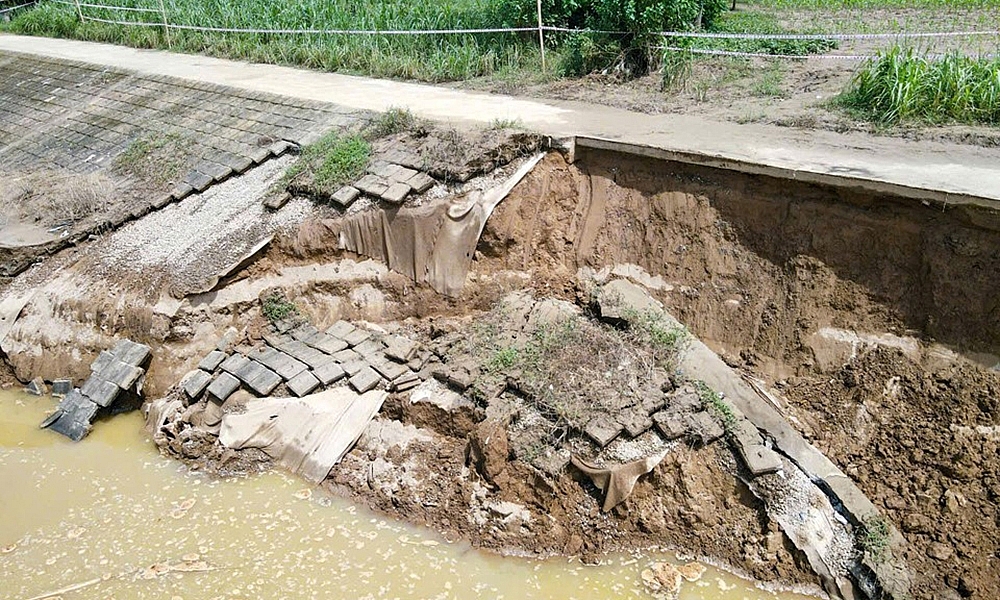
{"type": "Point", "coordinates": [304, 360]}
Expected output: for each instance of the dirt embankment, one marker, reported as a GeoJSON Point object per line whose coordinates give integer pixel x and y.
{"type": "Point", "coordinates": [794, 283]}
{"type": "Point", "coordinates": [764, 270]}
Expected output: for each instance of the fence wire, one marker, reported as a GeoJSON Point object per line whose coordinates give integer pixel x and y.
{"type": "Point", "coordinates": [167, 25]}
{"type": "Point", "coordinates": [13, 8]}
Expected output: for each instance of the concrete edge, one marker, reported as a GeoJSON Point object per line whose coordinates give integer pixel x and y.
{"type": "Point", "coordinates": [852, 182]}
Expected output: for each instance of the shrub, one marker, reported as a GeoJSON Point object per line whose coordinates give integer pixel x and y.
{"type": "Point", "coordinates": [631, 50]}
{"type": "Point", "coordinates": [900, 85]}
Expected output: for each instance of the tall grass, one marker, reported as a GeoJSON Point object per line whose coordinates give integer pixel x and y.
{"type": "Point", "coordinates": [423, 57]}
{"type": "Point", "coordinates": [902, 85]}
{"type": "Point", "coordinates": [842, 4]}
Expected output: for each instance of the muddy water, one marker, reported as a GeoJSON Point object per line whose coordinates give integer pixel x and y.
{"type": "Point", "coordinates": [110, 518]}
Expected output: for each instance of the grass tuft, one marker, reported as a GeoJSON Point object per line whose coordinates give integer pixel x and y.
{"type": "Point", "coordinates": [329, 163]}
{"type": "Point", "coordinates": [156, 158]}
{"type": "Point", "coordinates": [714, 403]}
{"type": "Point", "coordinates": [394, 120]}
{"type": "Point", "coordinates": [873, 538]}
{"type": "Point", "coordinates": [901, 85]}
{"type": "Point", "coordinates": [275, 307]}
{"type": "Point", "coordinates": [499, 124]}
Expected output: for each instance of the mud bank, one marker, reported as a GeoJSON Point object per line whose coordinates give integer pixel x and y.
{"type": "Point", "coordinates": [840, 306]}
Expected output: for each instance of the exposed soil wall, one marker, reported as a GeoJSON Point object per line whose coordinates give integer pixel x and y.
{"type": "Point", "coordinates": [759, 259]}
{"type": "Point", "coordinates": [758, 267]}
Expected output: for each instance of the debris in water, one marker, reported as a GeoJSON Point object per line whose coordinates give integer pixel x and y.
{"type": "Point", "coordinates": [692, 571]}
{"type": "Point", "coordinates": [663, 580]}
{"type": "Point", "coordinates": [8, 548]}
{"type": "Point", "coordinates": [304, 494]}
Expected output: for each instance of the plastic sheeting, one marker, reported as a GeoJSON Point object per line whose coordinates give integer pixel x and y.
{"type": "Point", "coordinates": [431, 244]}
{"type": "Point", "coordinates": [617, 481]}
{"type": "Point", "coordinates": [307, 435]}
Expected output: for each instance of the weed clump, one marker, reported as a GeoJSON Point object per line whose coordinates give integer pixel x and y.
{"type": "Point", "coordinates": [329, 163]}
{"type": "Point", "coordinates": [157, 158]}
{"type": "Point", "coordinates": [276, 307]}
{"type": "Point", "coordinates": [714, 403]}
{"type": "Point", "coordinates": [394, 120]}
{"type": "Point", "coordinates": [574, 367]}
{"type": "Point", "coordinates": [873, 538]}
{"type": "Point", "coordinates": [651, 329]}
{"type": "Point", "coordinates": [902, 85]}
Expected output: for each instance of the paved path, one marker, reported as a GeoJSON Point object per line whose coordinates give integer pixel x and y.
{"type": "Point", "coordinates": [931, 170]}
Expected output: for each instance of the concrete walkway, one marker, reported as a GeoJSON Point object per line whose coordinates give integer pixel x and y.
{"type": "Point", "coordinates": [925, 170]}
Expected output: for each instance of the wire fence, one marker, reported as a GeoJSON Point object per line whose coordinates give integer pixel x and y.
{"type": "Point", "coordinates": [165, 23]}
{"type": "Point", "coordinates": [11, 9]}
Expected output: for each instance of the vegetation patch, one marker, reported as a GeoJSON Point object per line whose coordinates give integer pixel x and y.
{"type": "Point", "coordinates": [394, 120]}
{"type": "Point", "coordinates": [329, 163]}
{"type": "Point", "coordinates": [714, 403]}
{"type": "Point", "coordinates": [276, 307]}
{"type": "Point", "coordinates": [873, 538]}
{"type": "Point", "coordinates": [157, 158]}
{"type": "Point", "coordinates": [903, 85]}
{"type": "Point", "coordinates": [572, 368]}
{"type": "Point", "coordinates": [432, 58]}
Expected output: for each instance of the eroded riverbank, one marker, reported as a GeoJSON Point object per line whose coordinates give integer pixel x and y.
{"type": "Point", "coordinates": [111, 509]}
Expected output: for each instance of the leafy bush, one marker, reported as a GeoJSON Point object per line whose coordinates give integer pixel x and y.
{"type": "Point", "coordinates": [631, 49]}
{"type": "Point", "coordinates": [901, 85]}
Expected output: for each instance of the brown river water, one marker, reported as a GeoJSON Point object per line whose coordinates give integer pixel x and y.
{"type": "Point", "coordinates": [110, 518]}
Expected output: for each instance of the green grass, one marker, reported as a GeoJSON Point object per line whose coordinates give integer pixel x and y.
{"type": "Point", "coordinates": [873, 538]}
{"type": "Point", "coordinates": [156, 158]}
{"type": "Point", "coordinates": [499, 124]}
{"type": "Point", "coordinates": [331, 162]}
{"type": "Point", "coordinates": [276, 307]}
{"type": "Point", "coordinates": [901, 85]}
{"type": "Point", "coordinates": [393, 120]}
{"type": "Point", "coordinates": [755, 22]}
{"type": "Point", "coordinates": [714, 403]}
{"type": "Point", "coordinates": [848, 4]}
{"type": "Point", "coordinates": [665, 339]}
{"type": "Point", "coordinates": [425, 57]}
{"type": "Point", "coordinates": [770, 83]}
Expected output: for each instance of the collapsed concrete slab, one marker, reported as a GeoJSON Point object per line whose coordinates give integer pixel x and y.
{"type": "Point", "coordinates": [115, 384]}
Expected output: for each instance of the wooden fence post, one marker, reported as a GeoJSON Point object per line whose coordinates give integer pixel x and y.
{"type": "Point", "coordinates": [541, 35]}
{"type": "Point", "coordinates": [166, 30]}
